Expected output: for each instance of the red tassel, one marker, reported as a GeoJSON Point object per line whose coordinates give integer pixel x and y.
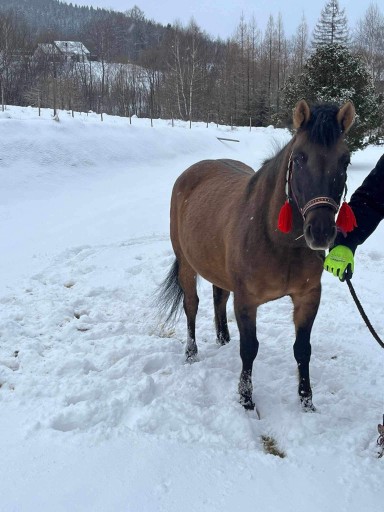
{"type": "Point", "coordinates": [346, 220]}
{"type": "Point", "coordinates": [285, 221]}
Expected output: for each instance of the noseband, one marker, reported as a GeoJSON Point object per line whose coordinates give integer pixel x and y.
{"type": "Point", "coordinates": [318, 201]}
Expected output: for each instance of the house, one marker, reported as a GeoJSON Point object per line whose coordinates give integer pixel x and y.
{"type": "Point", "coordinates": [68, 51]}
{"type": "Point", "coordinates": [73, 50]}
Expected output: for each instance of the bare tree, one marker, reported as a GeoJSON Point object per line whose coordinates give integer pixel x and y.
{"type": "Point", "coordinates": [300, 47]}
{"type": "Point", "coordinates": [281, 61]}
{"type": "Point", "coordinates": [269, 45]}
{"type": "Point", "coordinates": [15, 49]}
{"type": "Point", "coordinates": [185, 67]}
{"type": "Point", "coordinates": [102, 36]}
{"type": "Point", "coordinates": [369, 41]}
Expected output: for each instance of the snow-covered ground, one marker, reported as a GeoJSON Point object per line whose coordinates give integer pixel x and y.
{"type": "Point", "coordinates": [98, 411]}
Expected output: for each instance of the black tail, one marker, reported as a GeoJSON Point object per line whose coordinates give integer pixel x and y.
{"type": "Point", "coordinates": [170, 295]}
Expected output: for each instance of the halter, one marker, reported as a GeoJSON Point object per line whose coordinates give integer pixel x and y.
{"type": "Point", "coordinates": [346, 220]}
{"type": "Point", "coordinates": [312, 203]}
{"type": "Point", "coordinates": [321, 200]}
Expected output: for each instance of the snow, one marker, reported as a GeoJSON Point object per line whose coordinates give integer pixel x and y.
{"type": "Point", "coordinates": [98, 410]}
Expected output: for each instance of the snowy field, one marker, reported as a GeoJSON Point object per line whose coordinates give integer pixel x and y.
{"type": "Point", "coordinates": [98, 412]}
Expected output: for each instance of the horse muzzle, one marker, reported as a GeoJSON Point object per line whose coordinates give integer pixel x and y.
{"type": "Point", "coordinates": [319, 223]}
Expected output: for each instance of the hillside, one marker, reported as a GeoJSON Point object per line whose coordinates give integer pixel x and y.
{"type": "Point", "coordinates": [47, 19]}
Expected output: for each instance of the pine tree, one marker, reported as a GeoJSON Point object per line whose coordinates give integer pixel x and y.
{"type": "Point", "coordinates": [332, 26]}
{"type": "Point", "coordinates": [334, 75]}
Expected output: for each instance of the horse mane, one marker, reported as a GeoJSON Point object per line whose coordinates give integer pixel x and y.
{"type": "Point", "coordinates": [273, 163]}
{"type": "Point", "coordinates": [323, 127]}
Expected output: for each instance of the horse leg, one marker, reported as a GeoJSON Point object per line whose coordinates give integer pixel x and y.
{"type": "Point", "coordinates": [187, 279]}
{"type": "Point", "coordinates": [304, 314]}
{"type": "Point", "coordinates": [220, 299]}
{"type": "Point", "coordinates": [249, 346]}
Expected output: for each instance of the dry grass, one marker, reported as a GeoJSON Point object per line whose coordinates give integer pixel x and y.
{"type": "Point", "coordinates": [270, 446]}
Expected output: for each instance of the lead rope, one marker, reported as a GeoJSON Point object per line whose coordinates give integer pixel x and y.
{"type": "Point", "coordinates": [363, 314]}
{"type": "Point", "coordinates": [380, 428]}
{"type": "Point", "coordinates": [380, 439]}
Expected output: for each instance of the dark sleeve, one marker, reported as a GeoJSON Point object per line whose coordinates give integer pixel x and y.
{"type": "Point", "coordinates": [367, 203]}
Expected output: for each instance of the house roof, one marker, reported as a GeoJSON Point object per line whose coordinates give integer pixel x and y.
{"type": "Point", "coordinates": [48, 48]}
{"type": "Point", "coordinates": [73, 47]}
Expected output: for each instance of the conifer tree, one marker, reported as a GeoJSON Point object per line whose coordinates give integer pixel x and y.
{"type": "Point", "coordinates": [332, 26]}
{"type": "Point", "coordinates": [334, 75]}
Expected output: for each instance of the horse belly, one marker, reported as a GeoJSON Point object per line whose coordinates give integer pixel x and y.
{"type": "Point", "coordinates": [201, 218]}
{"type": "Point", "coordinates": [203, 246]}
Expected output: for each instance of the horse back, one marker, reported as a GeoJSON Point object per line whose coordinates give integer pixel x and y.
{"type": "Point", "coordinates": [211, 186]}
{"type": "Point", "coordinates": [215, 176]}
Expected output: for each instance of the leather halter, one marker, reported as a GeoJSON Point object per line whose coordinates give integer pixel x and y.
{"type": "Point", "coordinates": [317, 201]}
{"type": "Point", "coordinates": [312, 203]}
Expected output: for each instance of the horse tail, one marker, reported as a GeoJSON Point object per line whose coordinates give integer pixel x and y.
{"type": "Point", "coordinates": [170, 295]}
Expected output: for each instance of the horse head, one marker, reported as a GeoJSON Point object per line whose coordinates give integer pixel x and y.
{"type": "Point", "coordinates": [317, 168]}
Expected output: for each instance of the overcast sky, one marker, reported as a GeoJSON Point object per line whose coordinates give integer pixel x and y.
{"type": "Point", "coordinates": [221, 17]}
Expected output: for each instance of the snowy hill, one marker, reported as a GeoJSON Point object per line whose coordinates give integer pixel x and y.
{"type": "Point", "coordinates": [97, 410]}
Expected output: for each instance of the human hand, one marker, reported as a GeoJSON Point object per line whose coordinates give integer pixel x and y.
{"type": "Point", "coordinates": [340, 262]}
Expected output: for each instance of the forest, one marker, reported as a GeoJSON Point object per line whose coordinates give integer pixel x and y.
{"type": "Point", "coordinates": [136, 66]}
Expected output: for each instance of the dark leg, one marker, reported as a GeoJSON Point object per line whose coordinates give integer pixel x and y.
{"type": "Point", "coordinates": [187, 280]}
{"type": "Point", "coordinates": [305, 310]}
{"type": "Point", "coordinates": [220, 298]}
{"type": "Point", "coordinates": [249, 345]}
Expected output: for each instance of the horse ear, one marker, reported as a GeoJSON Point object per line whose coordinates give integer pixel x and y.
{"type": "Point", "coordinates": [346, 116]}
{"type": "Point", "coordinates": [301, 114]}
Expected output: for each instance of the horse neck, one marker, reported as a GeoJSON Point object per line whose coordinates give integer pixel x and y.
{"type": "Point", "coordinates": [276, 175]}
{"type": "Point", "coordinates": [272, 193]}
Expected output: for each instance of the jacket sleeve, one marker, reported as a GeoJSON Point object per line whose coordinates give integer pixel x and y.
{"type": "Point", "coordinates": [367, 203]}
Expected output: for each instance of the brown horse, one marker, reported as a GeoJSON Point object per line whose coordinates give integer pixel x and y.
{"type": "Point", "coordinates": [224, 219]}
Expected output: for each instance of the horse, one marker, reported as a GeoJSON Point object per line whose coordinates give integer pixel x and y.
{"type": "Point", "coordinates": [224, 221]}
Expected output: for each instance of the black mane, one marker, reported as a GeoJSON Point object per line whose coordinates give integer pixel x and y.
{"type": "Point", "coordinates": [323, 127]}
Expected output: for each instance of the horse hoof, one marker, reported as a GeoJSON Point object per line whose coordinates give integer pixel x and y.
{"type": "Point", "coordinates": [307, 405]}
{"type": "Point", "coordinates": [248, 406]}
{"type": "Point", "coordinates": [247, 403]}
{"type": "Point", "coordinates": [191, 358]}
{"type": "Point", "coordinates": [221, 341]}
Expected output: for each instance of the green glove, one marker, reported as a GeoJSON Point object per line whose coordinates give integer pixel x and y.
{"type": "Point", "coordinates": [340, 262]}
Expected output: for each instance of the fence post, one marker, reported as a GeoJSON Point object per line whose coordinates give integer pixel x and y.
{"type": "Point", "coordinates": [2, 98]}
